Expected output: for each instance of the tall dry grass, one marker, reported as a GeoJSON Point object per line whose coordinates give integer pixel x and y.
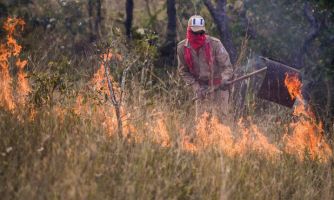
{"type": "Point", "coordinates": [66, 156]}
{"type": "Point", "coordinates": [70, 150]}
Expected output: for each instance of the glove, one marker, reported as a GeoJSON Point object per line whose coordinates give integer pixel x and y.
{"type": "Point", "coordinates": [200, 93]}
{"type": "Point", "coordinates": [224, 85]}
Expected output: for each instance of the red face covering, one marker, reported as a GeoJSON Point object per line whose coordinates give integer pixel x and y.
{"type": "Point", "coordinates": [196, 41]}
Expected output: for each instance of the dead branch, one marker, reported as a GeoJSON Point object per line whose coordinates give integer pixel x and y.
{"type": "Point", "coordinates": [124, 79]}
{"type": "Point", "coordinates": [111, 88]}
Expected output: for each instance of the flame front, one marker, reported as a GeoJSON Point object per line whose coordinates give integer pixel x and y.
{"type": "Point", "coordinates": [11, 48]}
{"type": "Point", "coordinates": [211, 133]}
{"type": "Point", "coordinates": [307, 133]}
{"type": "Point", "coordinates": [208, 133]}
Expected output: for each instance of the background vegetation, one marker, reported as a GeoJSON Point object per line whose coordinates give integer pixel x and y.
{"type": "Point", "coordinates": [62, 142]}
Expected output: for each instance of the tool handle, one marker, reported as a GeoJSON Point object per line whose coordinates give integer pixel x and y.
{"type": "Point", "coordinates": [246, 76]}
{"type": "Point", "coordinates": [239, 79]}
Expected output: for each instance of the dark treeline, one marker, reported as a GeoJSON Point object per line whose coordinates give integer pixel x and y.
{"type": "Point", "coordinates": [299, 33]}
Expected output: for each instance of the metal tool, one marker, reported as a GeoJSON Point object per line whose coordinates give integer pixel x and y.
{"type": "Point", "coordinates": [273, 87]}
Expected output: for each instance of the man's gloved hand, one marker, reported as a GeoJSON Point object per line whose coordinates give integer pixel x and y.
{"type": "Point", "coordinates": [201, 93]}
{"type": "Point", "coordinates": [224, 85]}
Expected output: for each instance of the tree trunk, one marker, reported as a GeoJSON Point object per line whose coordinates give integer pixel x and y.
{"type": "Point", "coordinates": [168, 49]}
{"type": "Point", "coordinates": [98, 18]}
{"type": "Point", "coordinates": [171, 26]}
{"type": "Point", "coordinates": [315, 30]}
{"type": "Point", "coordinates": [220, 17]}
{"type": "Point", "coordinates": [129, 16]}
{"type": "Point", "coordinates": [302, 50]}
{"type": "Point", "coordinates": [92, 37]}
{"type": "Point", "coordinates": [119, 122]}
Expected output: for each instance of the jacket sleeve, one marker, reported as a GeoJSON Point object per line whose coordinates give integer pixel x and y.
{"type": "Point", "coordinates": [186, 74]}
{"type": "Point", "coordinates": [223, 60]}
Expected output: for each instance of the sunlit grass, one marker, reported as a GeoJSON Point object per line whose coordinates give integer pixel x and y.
{"type": "Point", "coordinates": [69, 157]}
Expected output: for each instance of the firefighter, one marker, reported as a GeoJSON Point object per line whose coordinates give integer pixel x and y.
{"type": "Point", "coordinates": [205, 66]}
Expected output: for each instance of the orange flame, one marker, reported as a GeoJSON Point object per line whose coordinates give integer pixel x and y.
{"type": "Point", "coordinates": [104, 114]}
{"type": "Point", "coordinates": [211, 133]}
{"type": "Point", "coordinates": [293, 84]}
{"type": "Point", "coordinates": [255, 140]}
{"type": "Point", "coordinates": [23, 88]}
{"type": "Point", "coordinates": [307, 134]}
{"type": "Point", "coordinates": [100, 80]}
{"type": "Point", "coordinates": [11, 48]}
{"type": "Point", "coordinates": [160, 132]}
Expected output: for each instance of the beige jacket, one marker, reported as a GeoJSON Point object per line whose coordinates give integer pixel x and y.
{"type": "Point", "coordinates": [222, 67]}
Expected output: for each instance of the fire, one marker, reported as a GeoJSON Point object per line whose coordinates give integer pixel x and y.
{"type": "Point", "coordinates": [253, 139]}
{"type": "Point", "coordinates": [307, 133]}
{"type": "Point", "coordinates": [99, 81]}
{"type": "Point", "coordinates": [23, 88]}
{"type": "Point", "coordinates": [208, 133]}
{"type": "Point", "coordinates": [11, 48]}
{"type": "Point", "coordinates": [104, 113]}
{"type": "Point", "coordinates": [159, 130]}
{"type": "Point", "coordinates": [10, 26]}
{"type": "Point", "coordinates": [211, 133]}
{"type": "Point", "coordinates": [293, 84]}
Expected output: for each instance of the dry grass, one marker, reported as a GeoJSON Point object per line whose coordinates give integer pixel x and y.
{"type": "Point", "coordinates": [65, 156]}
